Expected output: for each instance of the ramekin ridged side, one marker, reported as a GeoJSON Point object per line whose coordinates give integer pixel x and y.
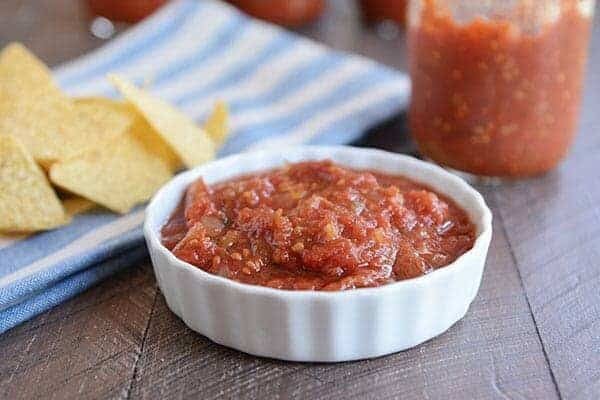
{"type": "Point", "coordinates": [320, 326]}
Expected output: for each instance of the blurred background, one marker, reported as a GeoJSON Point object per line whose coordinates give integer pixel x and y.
{"type": "Point", "coordinates": [59, 30]}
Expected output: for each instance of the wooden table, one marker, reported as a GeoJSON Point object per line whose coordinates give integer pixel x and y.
{"type": "Point", "coordinates": [533, 331]}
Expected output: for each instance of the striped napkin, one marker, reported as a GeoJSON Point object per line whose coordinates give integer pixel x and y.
{"type": "Point", "coordinates": [281, 88]}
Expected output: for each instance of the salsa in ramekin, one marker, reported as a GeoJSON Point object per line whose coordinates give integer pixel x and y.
{"type": "Point", "coordinates": [316, 225]}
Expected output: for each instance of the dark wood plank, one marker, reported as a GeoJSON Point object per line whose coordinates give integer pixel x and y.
{"type": "Point", "coordinates": [493, 352]}
{"type": "Point", "coordinates": [179, 363]}
{"type": "Point", "coordinates": [55, 30]}
{"type": "Point", "coordinates": [85, 348]}
{"type": "Point", "coordinates": [553, 225]}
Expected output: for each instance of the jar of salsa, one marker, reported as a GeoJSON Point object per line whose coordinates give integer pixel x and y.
{"type": "Point", "coordinates": [292, 13]}
{"type": "Point", "coordinates": [384, 10]}
{"type": "Point", "coordinates": [497, 84]}
{"type": "Point", "coordinates": [125, 10]}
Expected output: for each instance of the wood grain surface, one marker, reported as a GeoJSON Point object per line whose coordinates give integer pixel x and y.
{"type": "Point", "coordinates": [533, 332]}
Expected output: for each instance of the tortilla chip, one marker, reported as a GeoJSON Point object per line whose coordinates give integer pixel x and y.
{"type": "Point", "coordinates": [112, 117]}
{"type": "Point", "coordinates": [37, 113]}
{"type": "Point", "coordinates": [188, 140]}
{"type": "Point", "coordinates": [75, 205]}
{"type": "Point", "coordinates": [27, 201]}
{"type": "Point", "coordinates": [125, 172]}
{"type": "Point", "coordinates": [216, 126]}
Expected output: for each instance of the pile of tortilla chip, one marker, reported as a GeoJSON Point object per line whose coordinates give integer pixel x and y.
{"type": "Point", "coordinates": [61, 156]}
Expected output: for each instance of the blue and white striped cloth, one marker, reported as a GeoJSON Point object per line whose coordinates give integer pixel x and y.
{"type": "Point", "coordinates": [281, 88]}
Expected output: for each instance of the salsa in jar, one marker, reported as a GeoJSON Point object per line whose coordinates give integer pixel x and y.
{"type": "Point", "coordinates": [292, 13]}
{"type": "Point", "coordinates": [497, 85]}
{"type": "Point", "coordinates": [384, 10]}
{"type": "Point", "coordinates": [125, 10]}
{"type": "Point", "coordinates": [317, 226]}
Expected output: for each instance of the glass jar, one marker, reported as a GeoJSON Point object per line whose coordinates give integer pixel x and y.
{"type": "Point", "coordinates": [497, 83]}
{"type": "Point", "coordinates": [124, 10]}
{"type": "Point", "coordinates": [292, 13]}
{"type": "Point", "coordinates": [375, 11]}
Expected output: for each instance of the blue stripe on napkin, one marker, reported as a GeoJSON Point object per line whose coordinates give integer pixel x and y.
{"type": "Point", "coordinates": [281, 89]}
{"type": "Point", "coordinates": [37, 303]}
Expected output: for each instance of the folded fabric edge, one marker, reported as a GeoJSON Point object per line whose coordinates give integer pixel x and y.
{"type": "Point", "coordinates": [23, 288]}
{"type": "Point", "coordinates": [67, 288]}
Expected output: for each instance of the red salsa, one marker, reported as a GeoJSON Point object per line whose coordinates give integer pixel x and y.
{"type": "Point", "coordinates": [317, 226]}
{"type": "Point", "coordinates": [125, 10]}
{"type": "Point", "coordinates": [382, 10]}
{"type": "Point", "coordinates": [292, 13]}
{"type": "Point", "coordinates": [493, 98]}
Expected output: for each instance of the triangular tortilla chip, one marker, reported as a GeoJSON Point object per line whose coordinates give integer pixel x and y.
{"type": "Point", "coordinates": [216, 126]}
{"type": "Point", "coordinates": [27, 201]}
{"type": "Point", "coordinates": [111, 116]}
{"type": "Point", "coordinates": [37, 113]}
{"type": "Point", "coordinates": [75, 205]}
{"type": "Point", "coordinates": [189, 141]}
{"type": "Point", "coordinates": [125, 172]}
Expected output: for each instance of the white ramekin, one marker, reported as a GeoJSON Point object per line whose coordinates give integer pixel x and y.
{"type": "Point", "coordinates": [320, 326]}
